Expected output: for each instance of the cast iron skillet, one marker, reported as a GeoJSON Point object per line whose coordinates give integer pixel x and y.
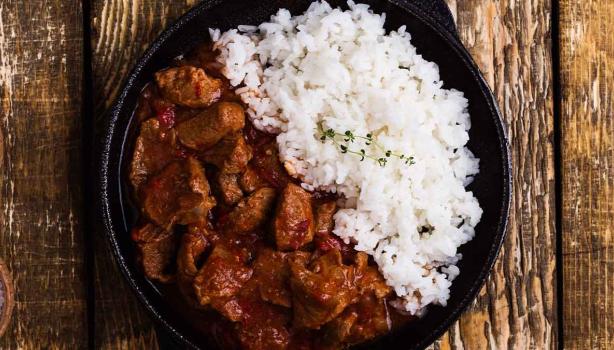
{"type": "Point", "coordinates": [434, 34]}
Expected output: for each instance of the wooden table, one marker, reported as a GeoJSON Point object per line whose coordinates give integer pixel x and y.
{"type": "Point", "coordinates": [550, 64]}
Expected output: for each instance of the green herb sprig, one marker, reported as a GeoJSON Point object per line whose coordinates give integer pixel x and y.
{"type": "Point", "coordinates": [343, 140]}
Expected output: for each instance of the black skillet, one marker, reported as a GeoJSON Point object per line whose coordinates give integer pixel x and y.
{"type": "Point", "coordinates": [434, 35]}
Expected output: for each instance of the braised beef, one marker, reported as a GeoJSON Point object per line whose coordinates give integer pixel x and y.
{"type": "Point", "coordinates": [294, 223]}
{"type": "Point", "coordinates": [367, 318]}
{"type": "Point", "coordinates": [156, 248]}
{"type": "Point", "coordinates": [153, 150]}
{"type": "Point", "coordinates": [264, 327]}
{"type": "Point", "coordinates": [272, 272]}
{"type": "Point", "coordinates": [360, 322]}
{"type": "Point", "coordinates": [229, 189]}
{"type": "Point", "coordinates": [369, 280]}
{"type": "Point", "coordinates": [267, 165]}
{"type": "Point", "coordinates": [324, 217]}
{"type": "Point", "coordinates": [194, 245]}
{"type": "Point", "coordinates": [221, 277]}
{"type": "Point", "coordinates": [230, 155]}
{"type": "Point", "coordinates": [188, 86]}
{"type": "Point", "coordinates": [251, 181]}
{"type": "Point", "coordinates": [211, 125]}
{"type": "Point", "coordinates": [322, 291]}
{"type": "Point", "coordinates": [251, 212]}
{"type": "Point", "coordinates": [178, 194]}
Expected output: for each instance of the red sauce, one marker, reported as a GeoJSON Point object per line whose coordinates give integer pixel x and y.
{"type": "Point", "coordinates": [302, 226]}
{"type": "Point", "coordinates": [166, 117]}
{"type": "Point", "coordinates": [255, 137]}
{"type": "Point", "coordinates": [182, 153]}
{"type": "Point", "coordinates": [197, 90]}
{"type": "Point", "coordinates": [325, 242]}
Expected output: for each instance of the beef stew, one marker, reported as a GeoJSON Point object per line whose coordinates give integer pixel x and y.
{"type": "Point", "coordinates": [225, 231]}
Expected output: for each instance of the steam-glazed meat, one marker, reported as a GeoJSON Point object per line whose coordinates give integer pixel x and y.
{"type": "Point", "coordinates": [179, 194]}
{"type": "Point", "coordinates": [229, 188]}
{"type": "Point", "coordinates": [294, 224]}
{"type": "Point", "coordinates": [221, 277]}
{"type": "Point", "coordinates": [153, 150]}
{"type": "Point", "coordinates": [272, 273]}
{"type": "Point", "coordinates": [263, 326]}
{"type": "Point", "coordinates": [266, 162]}
{"type": "Point", "coordinates": [251, 212]}
{"type": "Point", "coordinates": [155, 250]}
{"type": "Point", "coordinates": [251, 181]}
{"type": "Point", "coordinates": [188, 86]}
{"type": "Point", "coordinates": [363, 321]}
{"type": "Point", "coordinates": [322, 292]}
{"type": "Point", "coordinates": [211, 125]}
{"type": "Point", "coordinates": [230, 155]}
{"type": "Point", "coordinates": [367, 318]}
{"type": "Point", "coordinates": [369, 280]}
{"type": "Point", "coordinates": [324, 217]}
{"type": "Point", "coordinates": [190, 256]}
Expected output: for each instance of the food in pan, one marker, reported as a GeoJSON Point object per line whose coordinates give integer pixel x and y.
{"type": "Point", "coordinates": [302, 182]}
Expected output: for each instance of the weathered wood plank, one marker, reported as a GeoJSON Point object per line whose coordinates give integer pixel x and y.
{"type": "Point", "coordinates": [510, 41]}
{"type": "Point", "coordinates": [40, 172]}
{"type": "Point", "coordinates": [587, 111]}
{"type": "Point", "coordinates": [121, 31]}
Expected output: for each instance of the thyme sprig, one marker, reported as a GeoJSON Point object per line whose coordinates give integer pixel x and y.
{"type": "Point", "coordinates": [342, 140]}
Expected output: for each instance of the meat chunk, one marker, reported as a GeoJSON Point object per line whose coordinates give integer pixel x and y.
{"type": "Point", "coordinates": [228, 186]}
{"type": "Point", "coordinates": [266, 163]}
{"type": "Point", "coordinates": [188, 86]}
{"type": "Point", "coordinates": [242, 249]}
{"type": "Point", "coordinates": [230, 155]}
{"type": "Point", "coordinates": [264, 328]}
{"type": "Point", "coordinates": [211, 125]}
{"type": "Point", "coordinates": [324, 217]}
{"type": "Point", "coordinates": [339, 329]}
{"type": "Point", "coordinates": [367, 318]}
{"type": "Point", "coordinates": [155, 251]}
{"type": "Point", "coordinates": [369, 279]}
{"type": "Point", "coordinates": [221, 277]}
{"type": "Point", "coordinates": [363, 321]}
{"type": "Point", "coordinates": [192, 249]}
{"type": "Point", "coordinates": [179, 194]}
{"type": "Point", "coordinates": [153, 150]}
{"type": "Point", "coordinates": [251, 212]}
{"type": "Point", "coordinates": [144, 109]}
{"type": "Point", "coordinates": [272, 274]}
{"type": "Point", "coordinates": [321, 293]}
{"type": "Point", "coordinates": [294, 224]}
{"type": "Point", "coordinates": [250, 180]}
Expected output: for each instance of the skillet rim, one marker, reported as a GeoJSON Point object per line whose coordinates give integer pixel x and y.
{"type": "Point", "coordinates": [110, 132]}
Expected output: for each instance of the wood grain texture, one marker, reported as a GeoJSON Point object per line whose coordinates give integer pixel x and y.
{"type": "Point", "coordinates": [40, 169]}
{"type": "Point", "coordinates": [510, 42]}
{"type": "Point", "coordinates": [587, 112]}
{"type": "Point", "coordinates": [121, 31]}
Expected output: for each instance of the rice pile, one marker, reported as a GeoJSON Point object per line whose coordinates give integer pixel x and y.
{"type": "Point", "coordinates": [334, 69]}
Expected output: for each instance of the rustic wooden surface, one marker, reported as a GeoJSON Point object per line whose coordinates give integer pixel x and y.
{"type": "Point", "coordinates": [41, 230]}
{"type": "Point", "coordinates": [40, 161]}
{"type": "Point", "coordinates": [587, 82]}
{"type": "Point", "coordinates": [510, 41]}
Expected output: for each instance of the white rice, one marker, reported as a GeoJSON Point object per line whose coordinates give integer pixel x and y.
{"type": "Point", "coordinates": [341, 70]}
